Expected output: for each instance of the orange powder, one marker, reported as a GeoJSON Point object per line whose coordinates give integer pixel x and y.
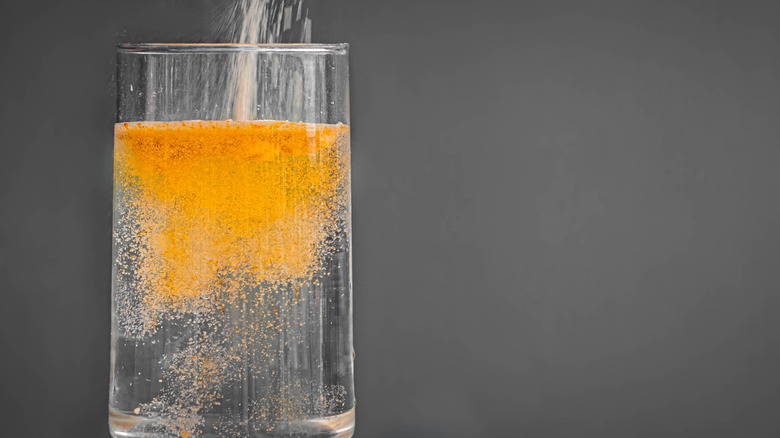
{"type": "Point", "coordinates": [208, 208]}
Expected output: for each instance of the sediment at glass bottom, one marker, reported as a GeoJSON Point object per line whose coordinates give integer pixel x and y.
{"type": "Point", "coordinates": [129, 425]}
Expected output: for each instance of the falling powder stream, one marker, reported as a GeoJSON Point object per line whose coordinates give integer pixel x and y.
{"type": "Point", "coordinates": [259, 22]}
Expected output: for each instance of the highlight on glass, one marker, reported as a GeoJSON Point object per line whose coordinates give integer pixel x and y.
{"type": "Point", "coordinates": [231, 285]}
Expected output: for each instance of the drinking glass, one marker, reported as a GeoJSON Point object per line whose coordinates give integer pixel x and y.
{"type": "Point", "coordinates": [231, 282]}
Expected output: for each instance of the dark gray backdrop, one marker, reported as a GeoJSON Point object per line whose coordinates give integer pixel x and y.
{"type": "Point", "coordinates": [566, 213]}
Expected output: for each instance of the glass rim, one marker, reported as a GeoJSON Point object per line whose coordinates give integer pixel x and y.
{"type": "Point", "coordinates": [162, 48]}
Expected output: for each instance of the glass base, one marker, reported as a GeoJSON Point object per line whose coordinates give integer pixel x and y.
{"type": "Point", "coordinates": [128, 425]}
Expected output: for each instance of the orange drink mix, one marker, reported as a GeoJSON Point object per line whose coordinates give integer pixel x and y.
{"type": "Point", "coordinates": [224, 233]}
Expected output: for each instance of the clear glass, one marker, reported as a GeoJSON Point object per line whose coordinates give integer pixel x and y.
{"type": "Point", "coordinates": [231, 285]}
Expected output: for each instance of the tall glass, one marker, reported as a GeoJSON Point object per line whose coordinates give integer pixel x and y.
{"type": "Point", "coordinates": [232, 289]}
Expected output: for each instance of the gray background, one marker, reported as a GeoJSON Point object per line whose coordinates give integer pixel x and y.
{"type": "Point", "coordinates": [566, 213]}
